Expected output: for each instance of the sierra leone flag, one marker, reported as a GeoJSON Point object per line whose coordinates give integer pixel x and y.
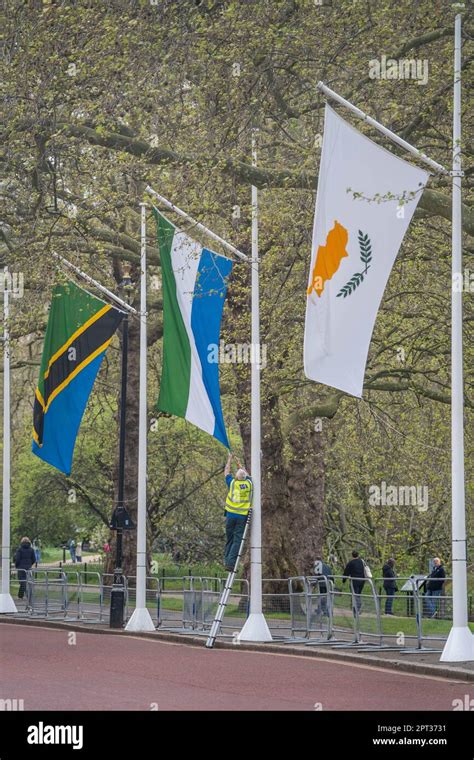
{"type": "Point", "coordinates": [80, 328]}
{"type": "Point", "coordinates": [194, 289]}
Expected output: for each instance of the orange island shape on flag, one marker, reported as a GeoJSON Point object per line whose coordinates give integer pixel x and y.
{"type": "Point", "coordinates": [328, 258]}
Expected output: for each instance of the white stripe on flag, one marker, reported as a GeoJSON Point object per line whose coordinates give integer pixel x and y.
{"type": "Point", "coordinates": [185, 257]}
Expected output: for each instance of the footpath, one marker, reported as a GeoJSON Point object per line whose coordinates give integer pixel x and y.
{"type": "Point", "coordinates": [93, 558]}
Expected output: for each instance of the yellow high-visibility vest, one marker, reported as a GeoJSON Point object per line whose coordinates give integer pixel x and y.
{"type": "Point", "coordinates": [239, 498]}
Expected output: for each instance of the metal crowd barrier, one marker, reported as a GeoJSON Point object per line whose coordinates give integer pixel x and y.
{"type": "Point", "coordinates": [197, 601]}
{"type": "Point", "coordinates": [313, 610]}
{"type": "Point", "coordinates": [91, 590]}
{"type": "Point", "coordinates": [189, 603]}
{"type": "Point", "coordinates": [434, 613]}
{"type": "Point", "coordinates": [46, 592]}
{"type": "Point", "coordinates": [311, 603]}
{"type": "Point", "coordinates": [339, 613]}
{"type": "Point", "coordinates": [276, 606]}
{"type": "Point", "coordinates": [171, 603]}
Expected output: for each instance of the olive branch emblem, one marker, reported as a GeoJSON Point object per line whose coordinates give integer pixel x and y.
{"type": "Point", "coordinates": [365, 247]}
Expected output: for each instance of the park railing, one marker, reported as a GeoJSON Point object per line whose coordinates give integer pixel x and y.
{"type": "Point", "coordinates": [319, 610]}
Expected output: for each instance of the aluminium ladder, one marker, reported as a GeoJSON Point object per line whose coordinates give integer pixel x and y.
{"type": "Point", "coordinates": [227, 589]}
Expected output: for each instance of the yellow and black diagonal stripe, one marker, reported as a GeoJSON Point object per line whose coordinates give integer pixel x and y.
{"type": "Point", "coordinates": [89, 340]}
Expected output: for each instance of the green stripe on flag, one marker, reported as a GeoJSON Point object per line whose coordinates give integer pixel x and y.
{"type": "Point", "coordinates": [176, 372]}
{"type": "Point", "coordinates": [71, 308]}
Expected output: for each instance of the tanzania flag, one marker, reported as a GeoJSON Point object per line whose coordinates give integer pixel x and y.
{"type": "Point", "coordinates": [80, 328]}
{"type": "Point", "coordinates": [194, 289]}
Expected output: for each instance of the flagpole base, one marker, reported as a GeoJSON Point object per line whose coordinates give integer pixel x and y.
{"type": "Point", "coordinates": [140, 621]}
{"type": "Point", "coordinates": [459, 646]}
{"type": "Point", "coordinates": [7, 604]}
{"type": "Point", "coordinates": [255, 629]}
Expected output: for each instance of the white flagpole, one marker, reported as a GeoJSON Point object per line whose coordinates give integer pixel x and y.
{"type": "Point", "coordinates": [7, 605]}
{"type": "Point", "coordinates": [141, 618]}
{"type": "Point", "coordinates": [460, 644]}
{"type": "Point", "coordinates": [255, 627]}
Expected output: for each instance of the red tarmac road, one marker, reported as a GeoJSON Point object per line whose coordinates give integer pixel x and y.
{"type": "Point", "coordinates": [103, 671]}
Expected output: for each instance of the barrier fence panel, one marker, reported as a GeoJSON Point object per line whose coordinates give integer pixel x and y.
{"type": "Point", "coordinates": [237, 610]}
{"type": "Point", "coordinates": [297, 593]}
{"type": "Point", "coordinates": [209, 594]}
{"type": "Point", "coordinates": [320, 591]}
{"type": "Point", "coordinates": [365, 603]}
{"type": "Point", "coordinates": [46, 592]}
{"type": "Point", "coordinates": [73, 591]}
{"type": "Point", "coordinates": [399, 619]}
{"type": "Point", "coordinates": [171, 602]}
{"type": "Point", "coordinates": [276, 606]}
{"type": "Point", "coordinates": [435, 612]}
{"type": "Point", "coordinates": [344, 621]}
{"type": "Point", "coordinates": [190, 607]}
{"type": "Point", "coordinates": [191, 601]}
{"type": "Point", "coordinates": [91, 596]}
{"type": "Point", "coordinates": [212, 589]}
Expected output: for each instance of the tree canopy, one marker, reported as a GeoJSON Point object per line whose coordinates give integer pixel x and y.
{"type": "Point", "coordinates": [101, 99]}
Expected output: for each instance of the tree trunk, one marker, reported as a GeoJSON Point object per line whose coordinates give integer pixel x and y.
{"type": "Point", "coordinates": [306, 496]}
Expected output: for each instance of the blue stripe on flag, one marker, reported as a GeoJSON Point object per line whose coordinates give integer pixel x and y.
{"type": "Point", "coordinates": [208, 301]}
{"type": "Point", "coordinates": [63, 418]}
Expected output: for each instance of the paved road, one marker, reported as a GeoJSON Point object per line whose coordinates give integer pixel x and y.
{"type": "Point", "coordinates": [50, 672]}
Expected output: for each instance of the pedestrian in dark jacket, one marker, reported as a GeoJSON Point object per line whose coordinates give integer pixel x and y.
{"type": "Point", "coordinates": [24, 560]}
{"type": "Point", "coordinates": [389, 584]}
{"type": "Point", "coordinates": [323, 573]}
{"type": "Point", "coordinates": [355, 571]}
{"type": "Point", "coordinates": [434, 586]}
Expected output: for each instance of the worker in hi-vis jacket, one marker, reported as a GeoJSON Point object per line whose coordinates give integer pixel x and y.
{"type": "Point", "coordinates": [237, 505]}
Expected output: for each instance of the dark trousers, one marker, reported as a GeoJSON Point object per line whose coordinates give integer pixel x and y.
{"type": "Point", "coordinates": [234, 530]}
{"type": "Point", "coordinates": [21, 574]}
{"type": "Point", "coordinates": [389, 600]}
{"type": "Point", "coordinates": [357, 587]}
{"type": "Point", "coordinates": [323, 603]}
{"type": "Point", "coordinates": [431, 600]}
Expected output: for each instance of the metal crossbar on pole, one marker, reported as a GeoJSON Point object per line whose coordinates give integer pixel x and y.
{"type": "Point", "coordinates": [123, 304]}
{"type": "Point", "coordinates": [384, 130]}
{"type": "Point", "coordinates": [196, 224]}
{"type": "Point", "coordinates": [227, 590]}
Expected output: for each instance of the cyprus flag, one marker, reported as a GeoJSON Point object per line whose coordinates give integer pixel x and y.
{"type": "Point", "coordinates": [365, 201]}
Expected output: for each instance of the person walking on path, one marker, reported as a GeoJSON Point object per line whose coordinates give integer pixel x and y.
{"type": "Point", "coordinates": [355, 571]}
{"type": "Point", "coordinates": [24, 560]}
{"type": "Point", "coordinates": [79, 551]}
{"type": "Point", "coordinates": [72, 549]}
{"type": "Point", "coordinates": [434, 586]}
{"type": "Point", "coordinates": [389, 584]}
{"type": "Point", "coordinates": [238, 503]}
{"type": "Point", "coordinates": [37, 550]}
{"type": "Point", "coordinates": [323, 574]}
